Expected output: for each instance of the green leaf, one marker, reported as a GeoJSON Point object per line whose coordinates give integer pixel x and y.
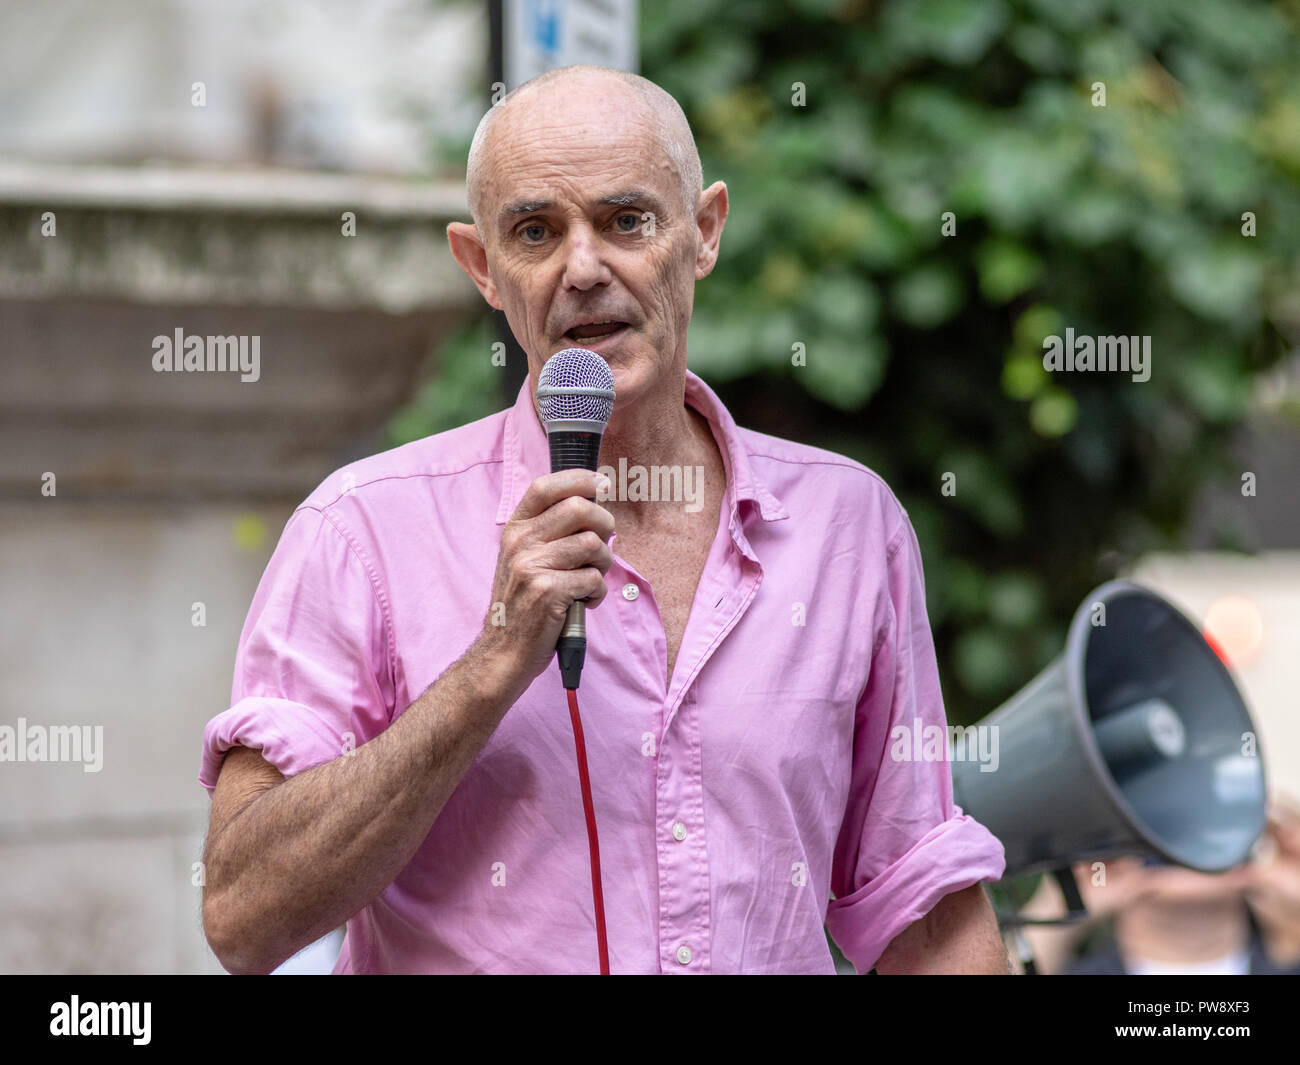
{"type": "Point", "coordinates": [1053, 413]}
{"type": "Point", "coordinates": [1015, 599]}
{"type": "Point", "coordinates": [1018, 175]}
{"type": "Point", "coordinates": [983, 490]}
{"type": "Point", "coordinates": [959, 31]}
{"type": "Point", "coordinates": [928, 295]}
{"type": "Point", "coordinates": [844, 375]}
{"type": "Point", "coordinates": [1219, 281]}
{"type": "Point", "coordinates": [983, 660]}
{"type": "Point", "coordinates": [1023, 376]}
{"type": "Point", "coordinates": [1006, 269]}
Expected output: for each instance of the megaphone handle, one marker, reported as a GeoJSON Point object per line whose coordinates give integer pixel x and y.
{"type": "Point", "coordinates": [1070, 890]}
{"type": "Point", "coordinates": [1075, 913]}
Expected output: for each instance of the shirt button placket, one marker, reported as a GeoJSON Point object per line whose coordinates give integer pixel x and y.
{"type": "Point", "coordinates": [674, 862]}
{"type": "Point", "coordinates": [683, 865]}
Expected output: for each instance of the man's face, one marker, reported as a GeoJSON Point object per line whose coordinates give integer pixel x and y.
{"type": "Point", "coordinates": [588, 242]}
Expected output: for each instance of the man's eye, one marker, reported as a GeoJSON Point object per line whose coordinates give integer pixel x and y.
{"type": "Point", "coordinates": [533, 233]}
{"type": "Point", "coordinates": [627, 223]}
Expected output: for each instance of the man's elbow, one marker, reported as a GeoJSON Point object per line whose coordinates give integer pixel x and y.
{"type": "Point", "coordinates": [230, 939]}
{"type": "Point", "coordinates": [232, 925]}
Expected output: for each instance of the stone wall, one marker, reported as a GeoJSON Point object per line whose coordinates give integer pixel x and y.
{"type": "Point", "coordinates": [138, 508]}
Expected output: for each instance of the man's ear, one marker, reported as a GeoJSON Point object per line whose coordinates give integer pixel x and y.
{"type": "Point", "coordinates": [710, 216]}
{"type": "Point", "coordinates": [467, 248]}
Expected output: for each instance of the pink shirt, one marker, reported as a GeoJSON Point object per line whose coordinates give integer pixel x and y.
{"type": "Point", "coordinates": [731, 803]}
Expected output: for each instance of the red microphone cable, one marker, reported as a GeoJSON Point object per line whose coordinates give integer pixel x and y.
{"type": "Point", "coordinates": [601, 944]}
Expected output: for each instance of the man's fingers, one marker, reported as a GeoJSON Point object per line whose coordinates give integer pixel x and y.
{"type": "Point", "coordinates": [583, 548]}
{"type": "Point", "coordinates": [587, 584]}
{"type": "Point", "coordinates": [549, 489]}
{"type": "Point", "coordinates": [569, 516]}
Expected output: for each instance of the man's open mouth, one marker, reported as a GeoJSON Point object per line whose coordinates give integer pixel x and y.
{"type": "Point", "coordinates": [591, 332]}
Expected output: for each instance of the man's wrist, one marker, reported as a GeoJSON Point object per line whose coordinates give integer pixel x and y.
{"type": "Point", "coordinates": [492, 674]}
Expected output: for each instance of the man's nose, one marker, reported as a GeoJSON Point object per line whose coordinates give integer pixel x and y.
{"type": "Point", "coordinates": [584, 265]}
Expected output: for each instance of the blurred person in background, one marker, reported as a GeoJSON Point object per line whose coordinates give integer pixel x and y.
{"type": "Point", "coordinates": [1273, 891]}
{"type": "Point", "coordinates": [1166, 920]}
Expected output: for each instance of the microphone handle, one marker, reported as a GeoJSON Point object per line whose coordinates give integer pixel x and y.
{"type": "Point", "coordinates": [573, 449]}
{"type": "Point", "coordinates": [572, 645]}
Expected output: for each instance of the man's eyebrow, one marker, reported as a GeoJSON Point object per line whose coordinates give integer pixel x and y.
{"type": "Point", "coordinates": [524, 207]}
{"type": "Point", "coordinates": [621, 198]}
{"type": "Point", "coordinates": [627, 197]}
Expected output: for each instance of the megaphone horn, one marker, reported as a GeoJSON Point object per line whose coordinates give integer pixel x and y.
{"type": "Point", "coordinates": [1134, 741]}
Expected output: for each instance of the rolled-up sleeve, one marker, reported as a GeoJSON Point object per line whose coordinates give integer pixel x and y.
{"type": "Point", "coordinates": [903, 844]}
{"type": "Point", "coordinates": [313, 672]}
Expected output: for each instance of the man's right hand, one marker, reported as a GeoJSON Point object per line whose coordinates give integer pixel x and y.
{"type": "Point", "coordinates": [554, 550]}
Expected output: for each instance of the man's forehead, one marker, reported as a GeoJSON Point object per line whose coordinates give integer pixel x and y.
{"type": "Point", "coordinates": [585, 130]}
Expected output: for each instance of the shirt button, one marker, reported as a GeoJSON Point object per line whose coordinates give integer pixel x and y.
{"type": "Point", "coordinates": [679, 832]}
{"type": "Point", "coordinates": [684, 955]}
{"type": "Point", "coordinates": [630, 591]}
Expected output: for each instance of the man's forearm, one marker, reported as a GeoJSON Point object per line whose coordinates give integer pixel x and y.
{"type": "Point", "coordinates": [960, 935]}
{"type": "Point", "coordinates": [307, 854]}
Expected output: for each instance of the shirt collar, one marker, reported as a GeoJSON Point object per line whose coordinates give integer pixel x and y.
{"type": "Point", "coordinates": [527, 455]}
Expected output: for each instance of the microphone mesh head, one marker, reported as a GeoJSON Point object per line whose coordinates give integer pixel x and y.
{"type": "Point", "coordinates": [575, 383]}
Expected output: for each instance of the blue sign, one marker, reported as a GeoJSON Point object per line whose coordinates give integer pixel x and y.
{"type": "Point", "coordinates": [544, 24]}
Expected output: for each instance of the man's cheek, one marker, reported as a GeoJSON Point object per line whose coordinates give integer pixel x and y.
{"type": "Point", "coordinates": [512, 296]}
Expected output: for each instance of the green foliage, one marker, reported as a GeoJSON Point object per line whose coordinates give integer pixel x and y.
{"type": "Point", "coordinates": [924, 351]}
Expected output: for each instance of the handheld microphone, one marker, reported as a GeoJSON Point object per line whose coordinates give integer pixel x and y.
{"type": "Point", "coordinates": [575, 398]}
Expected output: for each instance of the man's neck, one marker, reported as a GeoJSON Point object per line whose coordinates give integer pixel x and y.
{"type": "Point", "coordinates": [665, 434]}
{"type": "Point", "coordinates": [685, 439]}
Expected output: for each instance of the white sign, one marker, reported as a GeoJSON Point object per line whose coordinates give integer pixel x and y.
{"type": "Point", "coordinates": [540, 35]}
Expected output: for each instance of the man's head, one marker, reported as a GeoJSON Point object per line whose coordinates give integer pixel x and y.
{"type": "Point", "coordinates": [585, 189]}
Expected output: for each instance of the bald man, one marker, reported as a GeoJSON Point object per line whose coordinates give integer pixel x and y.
{"type": "Point", "coordinates": [398, 755]}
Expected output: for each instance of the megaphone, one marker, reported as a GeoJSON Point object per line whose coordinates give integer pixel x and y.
{"type": "Point", "coordinates": [1134, 741]}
